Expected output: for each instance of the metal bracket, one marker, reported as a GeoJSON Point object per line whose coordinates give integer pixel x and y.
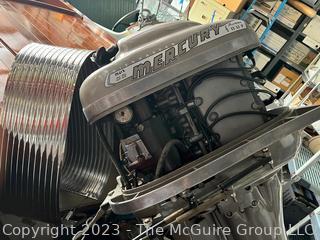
{"type": "Point", "coordinates": [210, 165]}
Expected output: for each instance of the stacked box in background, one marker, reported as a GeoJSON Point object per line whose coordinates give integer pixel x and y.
{"type": "Point", "coordinates": [254, 22]}
{"type": "Point", "coordinates": [312, 38]}
{"type": "Point", "coordinates": [274, 42]}
{"type": "Point", "coordinates": [261, 59]}
{"type": "Point", "coordinates": [207, 11]}
{"type": "Point", "coordinates": [264, 7]}
{"type": "Point", "coordinates": [285, 78]}
{"type": "Point", "coordinates": [289, 16]}
{"type": "Point", "coordinates": [300, 54]}
{"type": "Point", "coordinates": [234, 5]}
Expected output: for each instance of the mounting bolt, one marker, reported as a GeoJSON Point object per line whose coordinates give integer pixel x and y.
{"type": "Point", "coordinates": [147, 222]}
{"type": "Point", "coordinates": [140, 128]}
{"type": "Point", "coordinates": [174, 199]}
{"type": "Point", "coordinates": [186, 194]}
{"type": "Point", "coordinates": [229, 214]}
{"type": "Point", "coordinates": [254, 203]}
{"type": "Point", "coordinates": [233, 195]}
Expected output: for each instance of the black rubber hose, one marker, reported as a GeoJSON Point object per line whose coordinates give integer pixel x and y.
{"type": "Point", "coordinates": [164, 154]}
{"type": "Point", "coordinates": [209, 75]}
{"type": "Point", "coordinates": [104, 56]}
{"type": "Point", "coordinates": [234, 94]}
{"type": "Point", "coordinates": [117, 164]}
{"type": "Point", "coordinates": [132, 16]}
{"type": "Point", "coordinates": [228, 115]}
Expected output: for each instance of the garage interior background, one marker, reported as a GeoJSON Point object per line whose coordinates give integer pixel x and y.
{"type": "Point", "coordinates": [103, 12]}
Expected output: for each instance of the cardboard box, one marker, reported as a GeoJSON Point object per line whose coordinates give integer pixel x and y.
{"type": "Point", "coordinates": [207, 11]}
{"type": "Point", "coordinates": [308, 59]}
{"type": "Point", "coordinates": [273, 88]}
{"type": "Point", "coordinates": [289, 16]}
{"type": "Point", "coordinates": [317, 102]}
{"type": "Point", "coordinates": [299, 54]}
{"type": "Point", "coordinates": [261, 59]}
{"type": "Point", "coordinates": [254, 22]}
{"type": "Point", "coordinates": [312, 29]}
{"type": "Point", "coordinates": [264, 7]}
{"type": "Point", "coordinates": [233, 5]}
{"type": "Point", "coordinates": [313, 98]}
{"type": "Point", "coordinates": [285, 78]}
{"type": "Point", "coordinates": [311, 43]}
{"type": "Point", "coordinates": [273, 41]}
{"type": "Point", "coordinates": [296, 52]}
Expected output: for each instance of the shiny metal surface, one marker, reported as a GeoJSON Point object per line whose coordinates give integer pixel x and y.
{"type": "Point", "coordinates": [46, 143]}
{"type": "Point", "coordinates": [216, 162]}
{"type": "Point", "coordinates": [261, 206]}
{"type": "Point", "coordinates": [136, 71]}
{"type": "Point", "coordinates": [22, 24]}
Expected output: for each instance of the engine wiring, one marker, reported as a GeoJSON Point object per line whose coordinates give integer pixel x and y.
{"type": "Point", "coordinates": [117, 164]}
{"type": "Point", "coordinates": [173, 143]}
{"type": "Point", "coordinates": [239, 113]}
{"type": "Point", "coordinates": [219, 100]}
{"type": "Point", "coordinates": [229, 73]}
{"type": "Point", "coordinates": [217, 73]}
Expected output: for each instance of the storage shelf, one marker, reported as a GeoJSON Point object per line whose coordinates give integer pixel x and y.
{"type": "Point", "coordinates": [284, 26]}
{"type": "Point", "coordinates": [302, 34]}
{"type": "Point", "coordinates": [292, 64]}
{"type": "Point", "coordinates": [266, 19]}
{"type": "Point", "coordinates": [260, 15]}
{"type": "Point", "coordinates": [267, 50]}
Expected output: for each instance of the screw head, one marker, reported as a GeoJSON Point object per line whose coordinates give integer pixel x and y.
{"type": "Point", "coordinates": [254, 203]}
{"type": "Point", "coordinates": [174, 199]}
{"type": "Point", "coordinates": [229, 214]}
{"type": "Point", "coordinates": [140, 128]}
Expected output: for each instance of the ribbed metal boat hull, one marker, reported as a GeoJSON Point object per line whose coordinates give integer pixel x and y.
{"type": "Point", "coordinates": [46, 143]}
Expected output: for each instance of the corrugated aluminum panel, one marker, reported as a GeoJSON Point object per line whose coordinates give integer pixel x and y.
{"type": "Point", "coordinates": [22, 24]}
{"type": "Point", "coordinates": [47, 144]}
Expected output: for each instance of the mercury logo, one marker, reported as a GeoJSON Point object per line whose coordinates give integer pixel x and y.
{"type": "Point", "coordinates": [169, 55]}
